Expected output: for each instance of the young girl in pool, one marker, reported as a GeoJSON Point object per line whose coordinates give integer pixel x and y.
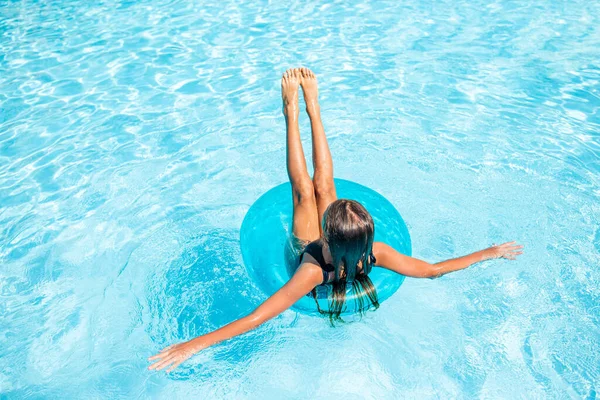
{"type": "Point", "coordinates": [338, 252]}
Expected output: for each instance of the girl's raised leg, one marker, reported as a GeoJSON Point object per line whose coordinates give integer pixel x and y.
{"type": "Point", "coordinates": [305, 226]}
{"type": "Point", "coordinates": [323, 183]}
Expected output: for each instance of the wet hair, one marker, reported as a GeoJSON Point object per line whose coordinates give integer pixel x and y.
{"type": "Point", "coordinates": [348, 230]}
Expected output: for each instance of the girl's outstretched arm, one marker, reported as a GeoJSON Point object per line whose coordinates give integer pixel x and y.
{"type": "Point", "coordinates": [304, 280]}
{"type": "Point", "coordinates": [390, 259]}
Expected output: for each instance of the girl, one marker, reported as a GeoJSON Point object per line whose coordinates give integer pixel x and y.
{"type": "Point", "coordinates": [338, 252]}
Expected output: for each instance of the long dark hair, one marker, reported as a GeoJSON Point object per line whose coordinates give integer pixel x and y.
{"type": "Point", "coordinates": [348, 230]}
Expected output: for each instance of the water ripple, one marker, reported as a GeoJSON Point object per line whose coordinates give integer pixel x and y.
{"type": "Point", "coordinates": [134, 136]}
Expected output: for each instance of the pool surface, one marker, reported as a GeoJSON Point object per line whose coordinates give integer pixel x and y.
{"type": "Point", "coordinates": [135, 135]}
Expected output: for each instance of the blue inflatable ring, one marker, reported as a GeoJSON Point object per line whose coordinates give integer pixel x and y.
{"type": "Point", "coordinates": [266, 232]}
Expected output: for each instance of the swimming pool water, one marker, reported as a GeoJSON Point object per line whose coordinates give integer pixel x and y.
{"type": "Point", "coordinates": [135, 135]}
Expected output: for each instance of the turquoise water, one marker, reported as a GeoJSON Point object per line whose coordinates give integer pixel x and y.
{"type": "Point", "coordinates": [134, 136]}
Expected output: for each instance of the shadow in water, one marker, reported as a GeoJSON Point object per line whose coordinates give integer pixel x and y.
{"type": "Point", "coordinates": [203, 289]}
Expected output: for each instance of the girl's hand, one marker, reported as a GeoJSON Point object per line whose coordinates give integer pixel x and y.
{"type": "Point", "coordinates": [509, 250]}
{"type": "Point", "coordinates": [176, 354]}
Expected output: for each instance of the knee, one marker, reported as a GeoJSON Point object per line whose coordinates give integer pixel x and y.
{"type": "Point", "coordinates": [324, 187]}
{"type": "Point", "coordinates": [304, 191]}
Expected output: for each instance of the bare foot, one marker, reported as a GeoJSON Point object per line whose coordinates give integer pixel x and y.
{"type": "Point", "coordinates": [289, 92]}
{"type": "Point", "coordinates": [310, 90]}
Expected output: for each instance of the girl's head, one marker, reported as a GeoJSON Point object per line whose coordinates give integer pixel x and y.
{"type": "Point", "coordinates": [348, 230]}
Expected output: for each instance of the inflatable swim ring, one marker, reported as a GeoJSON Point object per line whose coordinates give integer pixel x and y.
{"type": "Point", "coordinates": [266, 231]}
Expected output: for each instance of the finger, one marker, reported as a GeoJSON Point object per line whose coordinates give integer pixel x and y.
{"type": "Point", "coordinates": [155, 357]}
{"type": "Point", "coordinates": [154, 366]}
{"type": "Point", "coordinates": [159, 364]}
{"type": "Point", "coordinates": [177, 364]}
{"type": "Point", "coordinates": [162, 364]}
{"type": "Point", "coordinates": [167, 348]}
{"type": "Point", "coordinates": [162, 354]}
{"type": "Point", "coordinates": [511, 248]}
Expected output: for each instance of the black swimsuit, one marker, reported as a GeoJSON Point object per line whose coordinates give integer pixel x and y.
{"type": "Point", "coordinates": [315, 249]}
